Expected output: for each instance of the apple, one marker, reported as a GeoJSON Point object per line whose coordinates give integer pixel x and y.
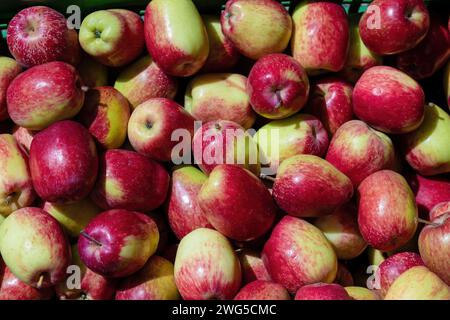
{"type": "Point", "coordinates": [219, 96]}
{"type": "Point", "coordinates": [73, 217]}
{"type": "Point", "coordinates": [128, 180]}
{"type": "Point", "coordinates": [39, 34]}
{"type": "Point", "coordinates": [105, 114]}
{"type": "Point", "coordinates": [34, 247]}
{"type": "Point", "coordinates": [114, 37]}
{"type": "Point", "coordinates": [178, 50]}
{"type": "Point", "coordinates": [23, 137]}
{"type": "Point", "coordinates": [341, 229]}
{"type": "Point", "coordinates": [183, 210]}
{"type": "Point", "coordinates": [155, 281]}
{"type": "Point", "coordinates": [298, 134]}
{"type": "Point", "coordinates": [322, 291]}
{"type": "Point", "coordinates": [394, 26]}
{"type": "Point", "coordinates": [308, 186]}
{"type": "Point", "coordinates": [387, 212]}
{"type": "Point", "coordinates": [418, 283]}
{"type": "Point", "coordinates": [224, 142]}
{"type": "Point", "coordinates": [206, 267]}
{"type": "Point", "coordinates": [361, 293]}
{"type": "Point", "coordinates": [263, 290]}
{"type": "Point", "coordinates": [440, 209]}
{"type": "Point", "coordinates": [63, 162]}
{"type": "Point", "coordinates": [252, 266]}
{"type": "Point", "coordinates": [389, 100]}
{"type": "Point", "coordinates": [222, 54]}
{"type": "Point", "coordinates": [320, 40]}
{"type": "Point", "coordinates": [92, 73]}
{"type": "Point", "coordinates": [45, 94]}
{"type": "Point", "coordinates": [163, 229]}
{"type": "Point", "coordinates": [358, 151]}
{"type": "Point", "coordinates": [430, 54]}
{"type": "Point", "coordinates": [16, 188]}
{"type": "Point", "coordinates": [343, 276]}
{"type": "Point", "coordinates": [434, 246]}
{"type": "Point", "coordinates": [257, 27]}
{"type": "Point", "coordinates": [375, 256]}
{"type": "Point", "coordinates": [297, 253]}
{"type": "Point", "coordinates": [144, 80]}
{"type": "Point", "coordinates": [11, 288]}
{"type": "Point", "coordinates": [117, 243]}
{"type": "Point", "coordinates": [237, 203]}
{"type": "Point", "coordinates": [9, 69]}
{"type": "Point", "coordinates": [331, 101]}
{"type": "Point", "coordinates": [426, 149]}
{"type": "Point", "coordinates": [152, 125]}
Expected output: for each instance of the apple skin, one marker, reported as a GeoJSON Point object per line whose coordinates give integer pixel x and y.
{"type": "Point", "coordinates": [402, 25]}
{"type": "Point", "coordinates": [183, 210]}
{"type": "Point", "coordinates": [11, 288]}
{"type": "Point", "coordinates": [263, 290]}
{"type": "Point", "coordinates": [391, 268]}
{"type": "Point", "coordinates": [322, 291]}
{"type": "Point", "coordinates": [358, 151]}
{"type": "Point", "coordinates": [16, 187]}
{"type": "Point", "coordinates": [430, 54]}
{"type": "Point", "coordinates": [23, 137]}
{"type": "Point", "coordinates": [434, 246]}
{"type": "Point", "coordinates": [105, 114]}
{"type": "Point", "coordinates": [179, 51]}
{"type": "Point", "coordinates": [309, 186]}
{"type": "Point", "coordinates": [439, 209]}
{"type": "Point", "coordinates": [103, 34]}
{"type": "Point", "coordinates": [92, 73]}
{"type": "Point", "coordinates": [252, 266]}
{"type": "Point", "coordinates": [222, 54]}
{"type": "Point", "coordinates": [219, 96]}
{"type": "Point", "coordinates": [73, 217]}
{"type": "Point", "coordinates": [130, 181]}
{"type": "Point", "coordinates": [152, 124]}
{"type": "Point", "coordinates": [330, 100]}
{"type": "Point", "coordinates": [155, 281]}
{"type": "Point", "coordinates": [227, 138]}
{"type": "Point", "coordinates": [341, 229]}
{"type": "Point", "coordinates": [9, 69]}
{"type": "Point", "coordinates": [361, 293]}
{"type": "Point", "coordinates": [45, 94]}
{"type": "Point", "coordinates": [39, 34]}
{"type": "Point", "coordinates": [320, 40]}
{"type": "Point", "coordinates": [63, 162]}
{"type": "Point", "coordinates": [297, 253]}
{"type": "Point", "coordinates": [298, 134]}
{"type": "Point", "coordinates": [144, 80]}
{"type": "Point", "coordinates": [256, 28]}
{"type": "Point", "coordinates": [426, 149]}
{"type": "Point", "coordinates": [128, 239]}
{"type": "Point", "coordinates": [389, 100]}
{"type": "Point", "coordinates": [237, 203]}
{"type": "Point", "coordinates": [418, 283]}
{"type": "Point", "coordinates": [206, 267]}
{"type": "Point", "coordinates": [34, 247]}
{"type": "Point", "coordinates": [387, 212]}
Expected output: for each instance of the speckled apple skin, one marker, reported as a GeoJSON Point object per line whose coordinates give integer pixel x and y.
{"type": "Point", "coordinates": [63, 162]}
{"type": "Point", "coordinates": [128, 239]}
{"type": "Point", "coordinates": [252, 266]}
{"type": "Point", "coordinates": [322, 291]}
{"type": "Point", "coordinates": [439, 209]}
{"type": "Point", "coordinates": [263, 290]}
{"type": "Point", "coordinates": [9, 69]}
{"type": "Point", "coordinates": [97, 287]}
{"type": "Point", "coordinates": [24, 137]}
{"type": "Point", "coordinates": [387, 212]}
{"type": "Point", "coordinates": [128, 180]}
{"type": "Point", "coordinates": [45, 94]}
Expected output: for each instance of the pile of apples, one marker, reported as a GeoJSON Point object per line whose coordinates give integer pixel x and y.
{"type": "Point", "coordinates": [94, 203]}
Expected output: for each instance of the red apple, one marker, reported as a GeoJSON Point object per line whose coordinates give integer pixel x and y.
{"type": "Point", "coordinates": [394, 26]}
{"type": "Point", "coordinates": [331, 101]}
{"type": "Point", "coordinates": [117, 243]}
{"type": "Point", "coordinates": [63, 162]}
{"type": "Point", "coordinates": [322, 291]}
{"type": "Point", "coordinates": [434, 246]}
{"type": "Point", "coordinates": [252, 266]}
{"type": "Point", "coordinates": [387, 212]}
{"type": "Point", "coordinates": [389, 100]}
{"type": "Point", "coordinates": [9, 69]}
{"type": "Point", "coordinates": [128, 180]}
{"type": "Point", "coordinates": [45, 94]}
{"type": "Point", "coordinates": [37, 35]}
{"type": "Point", "coordinates": [308, 186]}
{"type": "Point", "coordinates": [263, 290]}
{"type": "Point", "coordinates": [440, 209]}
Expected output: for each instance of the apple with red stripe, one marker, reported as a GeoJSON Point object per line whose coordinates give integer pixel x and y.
{"type": "Point", "coordinates": [252, 266]}
{"type": "Point", "coordinates": [9, 69]}
{"type": "Point", "coordinates": [263, 290]}
{"type": "Point", "coordinates": [440, 209]}
{"type": "Point", "coordinates": [322, 291]}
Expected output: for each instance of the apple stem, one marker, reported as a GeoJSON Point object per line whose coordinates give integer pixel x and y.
{"type": "Point", "coordinates": [40, 281]}
{"type": "Point", "coordinates": [266, 177]}
{"type": "Point", "coordinates": [426, 222]}
{"type": "Point", "coordinates": [84, 234]}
